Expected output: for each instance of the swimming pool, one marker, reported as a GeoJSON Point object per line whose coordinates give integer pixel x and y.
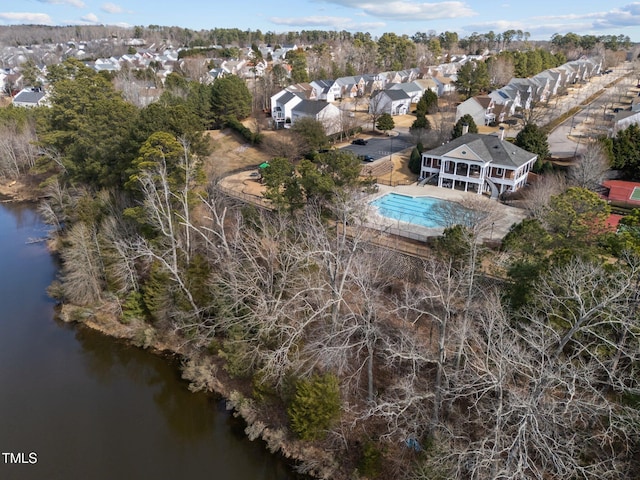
{"type": "Point", "coordinates": [416, 210]}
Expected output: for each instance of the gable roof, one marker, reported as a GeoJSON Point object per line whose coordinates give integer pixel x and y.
{"type": "Point", "coordinates": [395, 94]}
{"type": "Point", "coordinates": [310, 107]}
{"type": "Point", "coordinates": [29, 96]}
{"type": "Point", "coordinates": [485, 148]}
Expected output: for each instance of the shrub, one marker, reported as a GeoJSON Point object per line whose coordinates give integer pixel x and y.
{"type": "Point", "coordinates": [315, 406]}
{"type": "Point", "coordinates": [415, 161]}
{"type": "Point", "coordinates": [246, 133]}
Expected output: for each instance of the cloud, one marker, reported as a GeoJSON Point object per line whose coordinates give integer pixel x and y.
{"type": "Point", "coordinates": [90, 18]}
{"type": "Point", "coordinates": [626, 16]}
{"type": "Point", "coordinates": [73, 3]}
{"type": "Point", "coordinates": [403, 10]}
{"type": "Point", "coordinates": [547, 25]}
{"type": "Point", "coordinates": [313, 21]}
{"type": "Point", "coordinates": [26, 18]}
{"type": "Point", "coordinates": [111, 8]}
{"type": "Point", "coordinates": [337, 23]}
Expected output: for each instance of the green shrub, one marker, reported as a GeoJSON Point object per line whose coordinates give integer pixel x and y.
{"type": "Point", "coordinates": [246, 133]}
{"type": "Point", "coordinates": [370, 463]}
{"type": "Point", "coordinates": [315, 406]}
{"type": "Point", "coordinates": [415, 161]}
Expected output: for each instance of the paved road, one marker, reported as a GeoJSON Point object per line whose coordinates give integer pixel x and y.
{"type": "Point", "coordinates": [570, 137]}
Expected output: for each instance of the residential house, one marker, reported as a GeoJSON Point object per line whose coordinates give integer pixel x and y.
{"type": "Point", "coordinates": [413, 89]}
{"type": "Point", "coordinates": [508, 97]}
{"type": "Point", "coordinates": [30, 97]}
{"type": "Point", "coordinates": [352, 86]}
{"type": "Point", "coordinates": [282, 104]}
{"type": "Point", "coordinates": [481, 108]}
{"type": "Point", "coordinates": [554, 81]}
{"type": "Point", "coordinates": [328, 90]}
{"type": "Point", "coordinates": [427, 83]}
{"type": "Point", "coordinates": [478, 163]}
{"type": "Point", "coordinates": [324, 112]}
{"type": "Point", "coordinates": [623, 119]}
{"type": "Point", "coordinates": [393, 102]}
{"type": "Point", "coordinates": [445, 84]}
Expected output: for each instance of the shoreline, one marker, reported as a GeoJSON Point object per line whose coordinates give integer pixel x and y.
{"type": "Point", "coordinates": [205, 372]}
{"type": "Point", "coordinates": [201, 369]}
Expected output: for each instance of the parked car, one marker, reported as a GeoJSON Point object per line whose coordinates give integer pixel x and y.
{"type": "Point", "coordinates": [359, 141]}
{"type": "Point", "coordinates": [366, 158]}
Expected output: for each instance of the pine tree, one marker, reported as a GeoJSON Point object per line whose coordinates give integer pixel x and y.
{"type": "Point", "coordinates": [315, 406]}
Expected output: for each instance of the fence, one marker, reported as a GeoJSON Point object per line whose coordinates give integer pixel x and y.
{"type": "Point", "coordinates": [257, 200]}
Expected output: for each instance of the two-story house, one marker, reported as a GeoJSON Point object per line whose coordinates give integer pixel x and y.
{"type": "Point", "coordinates": [324, 112]}
{"type": "Point", "coordinates": [478, 163]}
{"type": "Point", "coordinates": [393, 102]}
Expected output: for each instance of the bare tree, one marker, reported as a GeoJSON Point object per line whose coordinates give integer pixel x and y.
{"type": "Point", "coordinates": [590, 167]}
{"type": "Point", "coordinates": [18, 150]}
{"type": "Point", "coordinates": [82, 270]}
{"type": "Point", "coordinates": [537, 195]}
{"type": "Point", "coordinates": [501, 70]}
{"type": "Point", "coordinates": [376, 108]}
{"type": "Point", "coordinates": [544, 393]}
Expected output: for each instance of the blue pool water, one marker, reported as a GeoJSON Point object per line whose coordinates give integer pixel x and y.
{"type": "Point", "coordinates": [416, 210]}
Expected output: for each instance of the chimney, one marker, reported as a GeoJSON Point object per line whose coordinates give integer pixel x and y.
{"type": "Point", "coordinates": [501, 133]}
{"type": "Point", "coordinates": [465, 128]}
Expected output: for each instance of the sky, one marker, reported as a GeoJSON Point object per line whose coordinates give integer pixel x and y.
{"type": "Point", "coordinates": [541, 18]}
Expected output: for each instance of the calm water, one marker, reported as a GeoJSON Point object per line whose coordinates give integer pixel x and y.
{"type": "Point", "coordinates": [416, 210]}
{"type": "Point", "coordinates": [88, 407]}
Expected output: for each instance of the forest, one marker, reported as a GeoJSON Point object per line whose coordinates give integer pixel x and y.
{"type": "Point", "coordinates": [517, 360]}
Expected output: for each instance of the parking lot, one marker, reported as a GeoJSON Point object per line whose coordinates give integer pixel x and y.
{"type": "Point", "coordinates": [380, 147]}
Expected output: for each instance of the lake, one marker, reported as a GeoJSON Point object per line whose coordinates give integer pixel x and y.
{"type": "Point", "coordinates": [75, 404]}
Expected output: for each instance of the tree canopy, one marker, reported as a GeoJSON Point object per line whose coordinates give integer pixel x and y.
{"type": "Point", "coordinates": [624, 151]}
{"type": "Point", "coordinates": [533, 139]}
{"type": "Point", "coordinates": [473, 78]}
{"type": "Point", "coordinates": [458, 128]}
{"type": "Point", "coordinates": [230, 97]}
{"type": "Point", "coordinates": [89, 125]}
{"type": "Point", "coordinates": [385, 122]}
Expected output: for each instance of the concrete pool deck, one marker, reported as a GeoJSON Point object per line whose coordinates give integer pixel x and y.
{"type": "Point", "coordinates": [504, 215]}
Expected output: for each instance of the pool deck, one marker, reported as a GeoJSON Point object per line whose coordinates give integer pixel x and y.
{"type": "Point", "coordinates": [505, 215]}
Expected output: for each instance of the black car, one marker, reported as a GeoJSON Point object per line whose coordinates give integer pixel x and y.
{"type": "Point", "coordinates": [366, 158]}
{"type": "Point", "coordinates": [359, 141]}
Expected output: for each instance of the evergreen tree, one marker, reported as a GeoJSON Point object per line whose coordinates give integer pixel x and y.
{"type": "Point", "coordinates": [315, 406]}
{"type": "Point", "coordinates": [459, 126]}
{"type": "Point", "coordinates": [473, 78]}
{"type": "Point", "coordinates": [624, 152]}
{"type": "Point", "coordinates": [230, 96]}
{"type": "Point", "coordinates": [415, 161]}
{"type": "Point", "coordinates": [428, 103]}
{"type": "Point", "coordinates": [533, 139]}
{"type": "Point", "coordinates": [385, 123]}
{"type": "Point", "coordinates": [89, 124]}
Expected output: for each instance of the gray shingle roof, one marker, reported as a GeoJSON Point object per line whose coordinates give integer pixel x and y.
{"type": "Point", "coordinates": [489, 148]}
{"type": "Point", "coordinates": [396, 94]}
{"type": "Point", "coordinates": [29, 97]}
{"type": "Point", "coordinates": [310, 107]}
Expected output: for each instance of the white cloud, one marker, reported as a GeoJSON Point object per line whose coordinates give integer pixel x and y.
{"type": "Point", "coordinates": [111, 8]}
{"type": "Point", "coordinates": [25, 17]}
{"type": "Point", "coordinates": [73, 3]}
{"type": "Point", "coordinates": [403, 10]}
{"type": "Point", "coordinates": [407, 11]}
{"type": "Point", "coordinates": [340, 22]}
{"type": "Point", "coordinates": [581, 23]}
{"type": "Point", "coordinates": [90, 18]}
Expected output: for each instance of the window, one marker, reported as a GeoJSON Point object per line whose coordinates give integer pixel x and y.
{"type": "Point", "coordinates": [498, 172]}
